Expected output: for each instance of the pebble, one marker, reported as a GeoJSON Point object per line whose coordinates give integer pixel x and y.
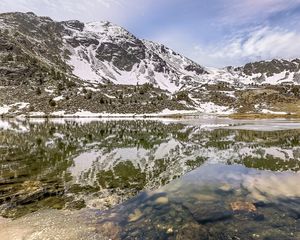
{"type": "Point", "coordinates": [204, 197]}
{"type": "Point", "coordinates": [135, 216]}
{"type": "Point", "coordinates": [162, 200]}
{"type": "Point", "coordinates": [243, 206]}
{"type": "Point", "coordinates": [226, 188]}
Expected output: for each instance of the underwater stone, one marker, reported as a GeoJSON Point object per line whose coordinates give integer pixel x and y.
{"type": "Point", "coordinates": [243, 206]}
{"type": "Point", "coordinates": [209, 213]}
{"type": "Point", "coordinates": [192, 231]}
{"type": "Point", "coordinates": [135, 216]}
{"type": "Point", "coordinates": [162, 200]}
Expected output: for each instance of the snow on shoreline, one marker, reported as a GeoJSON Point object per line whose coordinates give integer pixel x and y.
{"type": "Point", "coordinates": [165, 113]}
{"type": "Point", "coordinates": [266, 111]}
{"type": "Point", "coordinates": [88, 114]}
{"type": "Point", "coordinates": [207, 108]}
{"type": "Point", "coordinates": [4, 109]}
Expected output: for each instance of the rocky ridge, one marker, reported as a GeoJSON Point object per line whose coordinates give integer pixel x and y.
{"type": "Point", "coordinates": [50, 67]}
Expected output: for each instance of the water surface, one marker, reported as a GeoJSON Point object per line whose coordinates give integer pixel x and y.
{"type": "Point", "coordinates": [147, 179]}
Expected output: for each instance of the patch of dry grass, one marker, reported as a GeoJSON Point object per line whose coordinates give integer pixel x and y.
{"type": "Point", "coordinates": [287, 107]}
{"type": "Point", "coordinates": [262, 116]}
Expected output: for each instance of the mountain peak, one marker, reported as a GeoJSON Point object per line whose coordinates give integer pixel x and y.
{"type": "Point", "coordinates": [31, 13]}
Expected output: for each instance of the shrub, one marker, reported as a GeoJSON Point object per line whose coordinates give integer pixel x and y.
{"type": "Point", "coordinates": [70, 84]}
{"type": "Point", "coordinates": [60, 87]}
{"type": "Point", "coordinates": [38, 91]}
{"type": "Point", "coordinates": [182, 96]}
{"type": "Point", "coordinates": [9, 58]}
{"type": "Point", "coordinates": [52, 103]}
{"type": "Point", "coordinates": [89, 95]}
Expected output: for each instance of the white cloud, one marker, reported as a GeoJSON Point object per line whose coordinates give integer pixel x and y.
{"type": "Point", "coordinates": [118, 11]}
{"type": "Point", "coordinates": [243, 11]}
{"type": "Point", "coordinates": [260, 44]}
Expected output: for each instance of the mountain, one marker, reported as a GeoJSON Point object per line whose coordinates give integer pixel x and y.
{"type": "Point", "coordinates": [102, 52]}
{"type": "Point", "coordinates": [70, 67]}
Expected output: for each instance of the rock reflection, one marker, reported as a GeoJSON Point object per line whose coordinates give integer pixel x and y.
{"type": "Point", "coordinates": [69, 164]}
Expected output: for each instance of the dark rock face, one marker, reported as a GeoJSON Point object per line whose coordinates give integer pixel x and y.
{"type": "Point", "coordinates": [5, 46]}
{"type": "Point", "coordinates": [76, 42]}
{"type": "Point", "coordinates": [122, 59]}
{"type": "Point", "coordinates": [88, 42]}
{"type": "Point", "coordinates": [32, 43]}
{"type": "Point", "coordinates": [73, 42]}
{"type": "Point", "coordinates": [123, 49]}
{"type": "Point", "coordinates": [136, 48]}
{"type": "Point", "coordinates": [75, 24]}
{"type": "Point", "coordinates": [297, 78]}
{"type": "Point", "coordinates": [194, 68]}
{"type": "Point", "coordinates": [270, 67]}
{"type": "Point", "coordinates": [170, 62]}
{"type": "Point", "coordinates": [159, 64]}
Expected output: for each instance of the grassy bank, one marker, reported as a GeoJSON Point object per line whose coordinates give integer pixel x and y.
{"type": "Point", "coordinates": [263, 116]}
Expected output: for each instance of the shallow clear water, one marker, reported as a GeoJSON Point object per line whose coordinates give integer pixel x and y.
{"type": "Point", "coordinates": [214, 202]}
{"type": "Point", "coordinates": [196, 179]}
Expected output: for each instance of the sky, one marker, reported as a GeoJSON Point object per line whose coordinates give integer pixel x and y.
{"type": "Point", "coordinates": [213, 33]}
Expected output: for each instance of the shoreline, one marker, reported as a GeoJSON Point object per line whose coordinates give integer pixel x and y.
{"type": "Point", "coordinates": [172, 114]}
{"type": "Point", "coordinates": [252, 116]}
{"type": "Point", "coordinates": [246, 116]}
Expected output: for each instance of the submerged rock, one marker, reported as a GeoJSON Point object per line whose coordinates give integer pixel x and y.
{"type": "Point", "coordinates": [243, 206]}
{"type": "Point", "coordinates": [136, 215]}
{"type": "Point", "coordinates": [31, 186]}
{"type": "Point", "coordinates": [225, 188]}
{"type": "Point", "coordinates": [192, 231]}
{"type": "Point", "coordinates": [162, 200]}
{"type": "Point", "coordinates": [209, 213]}
{"type": "Point", "coordinates": [110, 230]}
{"type": "Point", "coordinates": [204, 197]}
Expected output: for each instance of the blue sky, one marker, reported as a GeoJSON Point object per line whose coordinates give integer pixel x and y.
{"type": "Point", "coordinates": [211, 32]}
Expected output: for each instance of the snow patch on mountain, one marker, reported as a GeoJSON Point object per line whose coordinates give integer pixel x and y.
{"type": "Point", "coordinates": [4, 109]}
{"type": "Point", "coordinates": [212, 108]}
{"type": "Point", "coordinates": [267, 111]}
{"type": "Point", "coordinates": [82, 68]}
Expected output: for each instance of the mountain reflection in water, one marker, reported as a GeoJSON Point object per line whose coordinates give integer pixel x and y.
{"type": "Point", "coordinates": [244, 185]}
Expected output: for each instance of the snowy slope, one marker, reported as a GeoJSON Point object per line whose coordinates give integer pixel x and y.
{"type": "Point", "coordinates": [102, 52]}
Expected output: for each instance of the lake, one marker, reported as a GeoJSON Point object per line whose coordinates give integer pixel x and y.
{"type": "Point", "coordinates": [206, 178]}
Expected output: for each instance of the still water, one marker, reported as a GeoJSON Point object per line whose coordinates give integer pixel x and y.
{"type": "Point", "coordinates": [145, 179]}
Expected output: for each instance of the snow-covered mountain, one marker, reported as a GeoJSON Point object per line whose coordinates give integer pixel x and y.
{"type": "Point", "coordinates": [49, 66]}
{"type": "Point", "coordinates": [103, 52]}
